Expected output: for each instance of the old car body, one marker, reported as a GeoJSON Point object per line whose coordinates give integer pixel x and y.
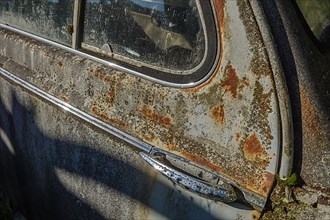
{"type": "Point", "coordinates": [82, 118]}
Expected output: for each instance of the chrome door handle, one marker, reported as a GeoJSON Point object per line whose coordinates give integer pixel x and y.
{"type": "Point", "coordinates": [223, 192]}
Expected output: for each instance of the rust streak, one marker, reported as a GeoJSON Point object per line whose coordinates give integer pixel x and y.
{"type": "Point", "coordinates": [112, 95]}
{"type": "Point", "coordinates": [220, 10]}
{"type": "Point", "coordinates": [232, 81]}
{"type": "Point", "coordinates": [309, 113]}
{"type": "Point", "coordinates": [219, 114]}
{"type": "Point", "coordinates": [202, 161]}
{"type": "Point", "coordinates": [60, 64]}
{"type": "Point", "coordinates": [150, 114]}
{"type": "Point", "coordinates": [252, 148]}
{"type": "Point", "coordinates": [105, 118]}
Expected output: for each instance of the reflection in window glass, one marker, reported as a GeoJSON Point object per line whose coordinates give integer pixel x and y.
{"type": "Point", "coordinates": [51, 19]}
{"type": "Point", "coordinates": [317, 15]}
{"type": "Point", "coordinates": [163, 33]}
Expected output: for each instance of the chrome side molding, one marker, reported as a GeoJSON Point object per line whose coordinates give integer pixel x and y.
{"type": "Point", "coordinates": [220, 191]}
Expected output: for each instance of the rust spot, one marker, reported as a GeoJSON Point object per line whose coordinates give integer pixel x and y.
{"type": "Point", "coordinates": [1, 65]}
{"type": "Point", "coordinates": [112, 94]}
{"type": "Point", "coordinates": [245, 82]}
{"type": "Point", "coordinates": [150, 114]}
{"type": "Point", "coordinates": [268, 182]}
{"type": "Point", "coordinates": [105, 118]}
{"type": "Point", "coordinates": [98, 73]}
{"type": "Point", "coordinates": [69, 29]}
{"type": "Point", "coordinates": [232, 81]}
{"type": "Point", "coordinates": [171, 147]}
{"type": "Point", "coordinates": [219, 114]}
{"type": "Point", "coordinates": [252, 148]}
{"type": "Point", "coordinates": [238, 136]}
{"type": "Point", "coordinates": [148, 137]}
{"type": "Point", "coordinates": [60, 64]}
{"type": "Point", "coordinates": [64, 98]}
{"type": "Point", "coordinates": [107, 79]}
{"type": "Point", "coordinates": [256, 214]}
{"type": "Point", "coordinates": [201, 161]}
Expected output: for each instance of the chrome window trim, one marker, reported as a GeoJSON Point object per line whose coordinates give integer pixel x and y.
{"type": "Point", "coordinates": [123, 68]}
{"type": "Point", "coordinates": [153, 66]}
{"type": "Point", "coordinates": [76, 35]}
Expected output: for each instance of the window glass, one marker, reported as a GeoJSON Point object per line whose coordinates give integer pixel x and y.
{"type": "Point", "coordinates": [317, 16]}
{"type": "Point", "coordinates": [51, 19]}
{"type": "Point", "coordinates": [165, 34]}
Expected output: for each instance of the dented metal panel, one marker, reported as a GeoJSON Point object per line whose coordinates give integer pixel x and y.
{"type": "Point", "coordinates": [229, 124]}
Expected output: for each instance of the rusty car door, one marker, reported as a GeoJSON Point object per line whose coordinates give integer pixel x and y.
{"type": "Point", "coordinates": [80, 129]}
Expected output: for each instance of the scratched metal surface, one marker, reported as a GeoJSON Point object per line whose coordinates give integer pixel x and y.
{"type": "Point", "coordinates": [229, 123]}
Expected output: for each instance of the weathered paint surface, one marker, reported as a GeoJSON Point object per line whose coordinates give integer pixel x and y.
{"type": "Point", "coordinates": [229, 124]}
{"type": "Point", "coordinates": [57, 167]}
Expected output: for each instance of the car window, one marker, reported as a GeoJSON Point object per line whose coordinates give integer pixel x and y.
{"type": "Point", "coordinates": [317, 16]}
{"type": "Point", "coordinates": [163, 33]}
{"type": "Point", "coordinates": [166, 40]}
{"type": "Point", "coordinates": [51, 19]}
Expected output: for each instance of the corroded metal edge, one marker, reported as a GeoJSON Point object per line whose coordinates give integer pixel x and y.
{"type": "Point", "coordinates": [76, 112]}
{"type": "Point", "coordinates": [283, 99]}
